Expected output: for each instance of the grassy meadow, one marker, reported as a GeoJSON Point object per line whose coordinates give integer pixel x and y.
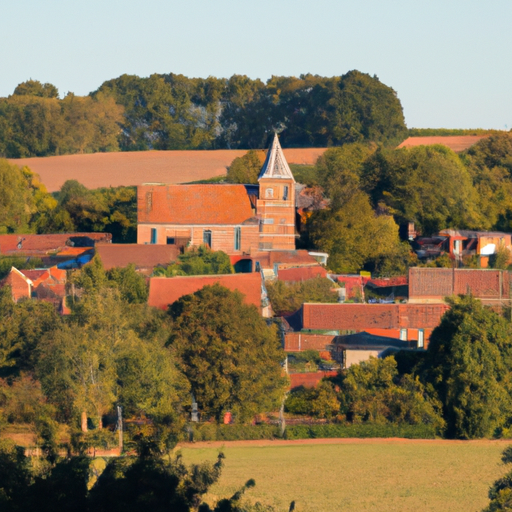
{"type": "Point", "coordinates": [363, 476]}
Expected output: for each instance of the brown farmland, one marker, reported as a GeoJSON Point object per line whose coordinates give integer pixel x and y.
{"type": "Point", "coordinates": [133, 168]}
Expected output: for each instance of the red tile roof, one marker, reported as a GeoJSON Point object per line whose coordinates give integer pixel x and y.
{"type": "Point", "coordinates": [384, 282]}
{"type": "Point", "coordinates": [43, 244]}
{"type": "Point", "coordinates": [438, 283]}
{"type": "Point", "coordinates": [166, 290]}
{"type": "Point", "coordinates": [142, 256]}
{"type": "Point", "coordinates": [193, 204]}
{"type": "Point", "coordinates": [456, 143]}
{"type": "Point", "coordinates": [297, 274]}
{"type": "Point", "coordinates": [360, 317]}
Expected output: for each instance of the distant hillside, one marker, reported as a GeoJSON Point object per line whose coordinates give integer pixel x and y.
{"type": "Point", "coordinates": [133, 168]}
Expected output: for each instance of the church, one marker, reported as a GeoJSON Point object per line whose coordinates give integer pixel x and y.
{"type": "Point", "coordinates": [236, 219]}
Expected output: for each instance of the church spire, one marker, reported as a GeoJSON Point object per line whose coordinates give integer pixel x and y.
{"type": "Point", "coordinates": [275, 165]}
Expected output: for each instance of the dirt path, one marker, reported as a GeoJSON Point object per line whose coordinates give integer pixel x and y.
{"type": "Point", "coordinates": [294, 442]}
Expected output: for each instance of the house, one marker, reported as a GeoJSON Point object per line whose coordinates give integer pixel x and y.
{"type": "Point", "coordinates": [355, 348]}
{"type": "Point", "coordinates": [482, 244]}
{"type": "Point", "coordinates": [433, 285]}
{"type": "Point", "coordinates": [66, 250]}
{"type": "Point", "coordinates": [43, 284]}
{"type": "Point", "coordinates": [163, 291]}
{"type": "Point", "coordinates": [412, 323]}
{"type": "Point", "coordinates": [236, 219]}
{"type": "Point", "coordinates": [43, 245]}
{"type": "Point", "coordinates": [270, 262]}
{"type": "Point", "coordinates": [144, 257]}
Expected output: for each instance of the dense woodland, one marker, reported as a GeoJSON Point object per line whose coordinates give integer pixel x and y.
{"type": "Point", "coordinates": [175, 112]}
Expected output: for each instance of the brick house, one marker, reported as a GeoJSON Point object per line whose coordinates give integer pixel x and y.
{"type": "Point", "coordinates": [236, 219]}
{"type": "Point", "coordinates": [42, 284]}
{"type": "Point", "coordinates": [432, 285]}
{"type": "Point", "coordinates": [406, 322]}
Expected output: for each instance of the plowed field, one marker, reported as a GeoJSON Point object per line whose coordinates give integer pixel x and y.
{"type": "Point", "coordinates": [134, 168]}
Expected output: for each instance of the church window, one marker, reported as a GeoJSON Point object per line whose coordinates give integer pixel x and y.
{"type": "Point", "coordinates": [269, 192]}
{"type": "Point", "coordinates": [238, 236]}
{"type": "Point", "coordinates": [285, 193]}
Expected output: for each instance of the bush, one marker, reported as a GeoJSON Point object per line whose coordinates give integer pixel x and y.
{"type": "Point", "coordinates": [333, 430]}
{"type": "Point", "coordinates": [213, 432]}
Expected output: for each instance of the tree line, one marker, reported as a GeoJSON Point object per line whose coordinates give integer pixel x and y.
{"type": "Point", "coordinates": [169, 111]}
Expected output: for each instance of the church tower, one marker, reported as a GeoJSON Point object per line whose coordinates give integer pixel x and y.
{"type": "Point", "coordinates": [276, 204]}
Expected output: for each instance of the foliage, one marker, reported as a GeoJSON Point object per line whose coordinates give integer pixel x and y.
{"type": "Point", "coordinates": [23, 199]}
{"type": "Point", "coordinates": [21, 327]}
{"type": "Point", "coordinates": [468, 366]}
{"type": "Point", "coordinates": [501, 258]}
{"type": "Point", "coordinates": [245, 169]}
{"type": "Point", "coordinates": [219, 432]}
{"type": "Point", "coordinates": [445, 132]}
{"type": "Point", "coordinates": [354, 237]}
{"type": "Point", "coordinates": [111, 210]}
{"type": "Point", "coordinates": [7, 262]}
{"type": "Point", "coordinates": [34, 122]}
{"type": "Point", "coordinates": [334, 430]}
{"type": "Point", "coordinates": [319, 402]}
{"type": "Point", "coordinates": [125, 484]}
{"type": "Point", "coordinates": [97, 359]}
{"type": "Point", "coordinates": [500, 492]}
{"type": "Point", "coordinates": [373, 392]}
{"type": "Point", "coordinates": [198, 262]}
{"type": "Point", "coordinates": [174, 112]}
{"type": "Point", "coordinates": [93, 278]}
{"type": "Point", "coordinates": [229, 354]}
{"type": "Point", "coordinates": [288, 297]}
{"type": "Point", "coordinates": [428, 185]}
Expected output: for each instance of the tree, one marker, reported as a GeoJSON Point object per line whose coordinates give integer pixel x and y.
{"type": "Point", "coordinates": [245, 169]}
{"type": "Point", "coordinates": [428, 185]}
{"type": "Point", "coordinates": [198, 262]}
{"type": "Point", "coordinates": [22, 326]}
{"type": "Point", "coordinates": [469, 357]}
{"type": "Point", "coordinates": [287, 298]}
{"type": "Point", "coordinates": [354, 236]}
{"type": "Point", "coordinates": [229, 354]}
{"type": "Point", "coordinates": [366, 109]}
{"type": "Point", "coordinates": [373, 391]}
{"type": "Point", "coordinates": [500, 492]}
{"type": "Point", "coordinates": [36, 88]}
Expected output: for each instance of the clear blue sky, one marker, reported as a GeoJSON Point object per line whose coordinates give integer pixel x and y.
{"type": "Point", "coordinates": [449, 61]}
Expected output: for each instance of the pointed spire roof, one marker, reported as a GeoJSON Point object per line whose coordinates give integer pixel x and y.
{"type": "Point", "coordinates": [275, 165]}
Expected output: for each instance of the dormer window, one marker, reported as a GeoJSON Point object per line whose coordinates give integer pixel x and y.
{"type": "Point", "coordinates": [269, 192]}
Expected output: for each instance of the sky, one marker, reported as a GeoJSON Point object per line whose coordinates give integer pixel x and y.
{"type": "Point", "coordinates": [448, 61]}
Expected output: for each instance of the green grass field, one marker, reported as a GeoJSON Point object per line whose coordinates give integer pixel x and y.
{"type": "Point", "coordinates": [361, 477]}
